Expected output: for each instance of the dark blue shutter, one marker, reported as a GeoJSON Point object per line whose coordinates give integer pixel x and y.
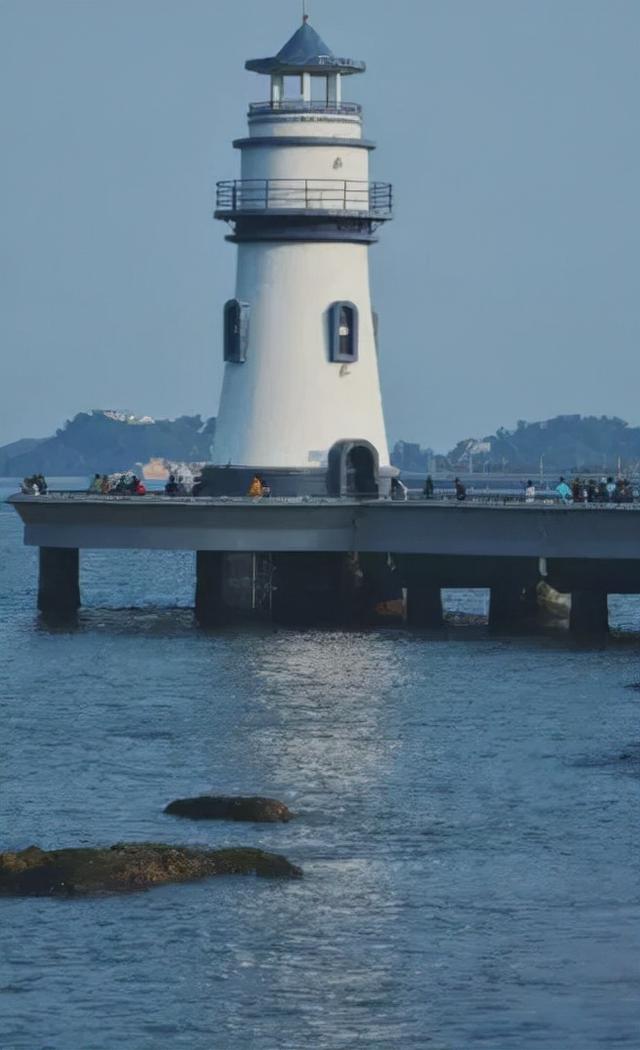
{"type": "Point", "coordinates": [236, 330]}
{"type": "Point", "coordinates": [343, 332]}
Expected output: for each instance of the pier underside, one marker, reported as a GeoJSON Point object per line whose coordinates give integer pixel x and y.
{"type": "Point", "coordinates": [351, 562]}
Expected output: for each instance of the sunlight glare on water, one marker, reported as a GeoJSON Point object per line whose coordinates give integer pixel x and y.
{"type": "Point", "coordinates": [466, 813]}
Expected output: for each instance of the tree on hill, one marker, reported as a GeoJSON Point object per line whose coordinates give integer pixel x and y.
{"type": "Point", "coordinates": [97, 441]}
{"type": "Point", "coordinates": [571, 443]}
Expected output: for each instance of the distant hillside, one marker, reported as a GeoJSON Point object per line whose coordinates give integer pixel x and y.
{"type": "Point", "coordinates": [109, 441]}
{"type": "Point", "coordinates": [565, 444]}
{"type": "Point", "coordinates": [15, 449]}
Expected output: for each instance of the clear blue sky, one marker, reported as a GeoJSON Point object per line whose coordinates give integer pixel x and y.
{"type": "Point", "coordinates": [508, 285]}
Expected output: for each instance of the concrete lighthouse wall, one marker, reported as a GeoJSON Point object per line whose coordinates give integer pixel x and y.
{"type": "Point", "coordinates": [287, 404]}
{"type": "Point", "coordinates": [321, 165]}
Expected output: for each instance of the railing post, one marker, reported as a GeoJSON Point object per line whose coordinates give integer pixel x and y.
{"type": "Point", "coordinates": [306, 193]}
{"type": "Point", "coordinates": [344, 203]}
{"type": "Point", "coordinates": [266, 193]}
{"type": "Point", "coordinates": [234, 196]}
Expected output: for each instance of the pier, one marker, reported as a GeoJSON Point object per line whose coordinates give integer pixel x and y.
{"type": "Point", "coordinates": [346, 561]}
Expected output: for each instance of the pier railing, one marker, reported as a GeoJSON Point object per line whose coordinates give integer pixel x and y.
{"type": "Point", "coordinates": [494, 499]}
{"type": "Point", "coordinates": [330, 195]}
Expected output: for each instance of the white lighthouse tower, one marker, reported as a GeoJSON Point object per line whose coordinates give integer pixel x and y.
{"type": "Point", "coordinates": [300, 401]}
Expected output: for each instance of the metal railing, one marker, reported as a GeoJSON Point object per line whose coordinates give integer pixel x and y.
{"type": "Point", "coordinates": [349, 195]}
{"type": "Point", "coordinates": [445, 500]}
{"type": "Point", "coordinates": [299, 105]}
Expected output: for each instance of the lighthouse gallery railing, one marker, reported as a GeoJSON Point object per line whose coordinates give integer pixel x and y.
{"type": "Point", "coordinates": [352, 195]}
{"type": "Point", "coordinates": [288, 105]}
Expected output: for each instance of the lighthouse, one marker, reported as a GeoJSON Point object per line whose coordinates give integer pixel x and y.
{"type": "Point", "coordinates": [300, 402]}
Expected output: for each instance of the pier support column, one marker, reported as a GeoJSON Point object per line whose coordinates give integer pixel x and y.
{"type": "Point", "coordinates": [59, 582]}
{"type": "Point", "coordinates": [424, 606]}
{"type": "Point", "coordinates": [314, 589]}
{"type": "Point", "coordinates": [512, 608]}
{"type": "Point", "coordinates": [209, 583]}
{"type": "Point", "coordinates": [380, 600]}
{"type": "Point", "coordinates": [589, 613]}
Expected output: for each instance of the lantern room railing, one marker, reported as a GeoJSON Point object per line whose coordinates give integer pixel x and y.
{"type": "Point", "coordinates": [296, 105]}
{"type": "Point", "coordinates": [241, 196]}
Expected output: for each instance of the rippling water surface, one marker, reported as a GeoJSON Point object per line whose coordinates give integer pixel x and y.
{"type": "Point", "coordinates": [468, 826]}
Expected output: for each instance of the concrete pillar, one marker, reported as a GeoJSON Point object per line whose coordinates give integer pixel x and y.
{"type": "Point", "coordinates": [316, 588]}
{"type": "Point", "coordinates": [209, 583]}
{"type": "Point", "coordinates": [277, 89]}
{"type": "Point", "coordinates": [380, 597]}
{"type": "Point", "coordinates": [510, 608]}
{"type": "Point", "coordinates": [334, 89]}
{"type": "Point", "coordinates": [589, 613]}
{"type": "Point", "coordinates": [424, 605]}
{"type": "Point", "coordinates": [59, 582]}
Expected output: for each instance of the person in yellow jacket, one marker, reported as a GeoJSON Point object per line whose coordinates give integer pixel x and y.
{"type": "Point", "coordinates": [257, 488]}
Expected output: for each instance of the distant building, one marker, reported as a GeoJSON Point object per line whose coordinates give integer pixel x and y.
{"type": "Point", "coordinates": [120, 415]}
{"type": "Point", "coordinates": [409, 456]}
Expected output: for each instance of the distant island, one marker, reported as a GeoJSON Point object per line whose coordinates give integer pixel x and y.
{"type": "Point", "coordinates": [109, 440]}
{"type": "Point", "coordinates": [566, 444]}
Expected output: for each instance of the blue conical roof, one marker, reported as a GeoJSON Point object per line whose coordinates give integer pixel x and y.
{"type": "Point", "coordinates": [305, 52]}
{"type": "Point", "coordinates": [304, 46]}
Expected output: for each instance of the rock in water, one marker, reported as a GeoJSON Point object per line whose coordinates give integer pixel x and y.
{"type": "Point", "coordinates": [126, 867]}
{"type": "Point", "coordinates": [226, 807]}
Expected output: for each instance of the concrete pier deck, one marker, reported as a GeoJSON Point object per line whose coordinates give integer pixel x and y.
{"type": "Point", "coordinates": [350, 560]}
{"type": "Point", "coordinates": [475, 528]}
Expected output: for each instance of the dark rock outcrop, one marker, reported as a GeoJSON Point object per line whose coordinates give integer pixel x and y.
{"type": "Point", "coordinates": [228, 807]}
{"type": "Point", "coordinates": [126, 867]}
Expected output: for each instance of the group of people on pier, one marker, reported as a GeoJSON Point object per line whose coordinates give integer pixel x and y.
{"type": "Point", "coordinates": [604, 491]}
{"type": "Point", "coordinates": [575, 490]}
{"type": "Point", "coordinates": [117, 485]}
{"type": "Point", "coordinates": [34, 485]}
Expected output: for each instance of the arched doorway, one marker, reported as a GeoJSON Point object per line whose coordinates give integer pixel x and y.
{"type": "Point", "coordinates": [360, 472]}
{"type": "Point", "coordinates": [353, 470]}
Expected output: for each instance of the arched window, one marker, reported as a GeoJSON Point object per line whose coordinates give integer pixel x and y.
{"type": "Point", "coordinates": [236, 330]}
{"type": "Point", "coordinates": [343, 343]}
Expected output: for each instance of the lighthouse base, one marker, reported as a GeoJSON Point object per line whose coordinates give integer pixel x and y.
{"type": "Point", "coordinates": [352, 472]}
{"type": "Point", "coordinates": [297, 589]}
{"type": "Point", "coordinates": [286, 481]}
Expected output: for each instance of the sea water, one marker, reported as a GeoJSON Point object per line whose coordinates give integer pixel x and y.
{"type": "Point", "coordinates": [467, 820]}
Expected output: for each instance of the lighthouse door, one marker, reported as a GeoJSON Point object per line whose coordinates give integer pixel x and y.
{"type": "Point", "coordinates": [353, 470]}
{"type": "Point", "coordinates": [360, 470]}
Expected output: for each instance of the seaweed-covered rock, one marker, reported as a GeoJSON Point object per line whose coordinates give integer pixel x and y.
{"type": "Point", "coordinates": [227, 807]}
{"type": "Point", "coordinates": [128, 866]}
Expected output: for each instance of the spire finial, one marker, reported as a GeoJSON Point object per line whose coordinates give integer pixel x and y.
{"type": "Point", "coordinates": [305, 16]}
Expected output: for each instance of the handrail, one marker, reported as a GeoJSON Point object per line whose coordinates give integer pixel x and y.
{"type": "Point", "coordinates": [442, 500]}
{"type": "Point", "coordinates": [296, 105]}
{"type": "Point", "coordinates": [348, 195]}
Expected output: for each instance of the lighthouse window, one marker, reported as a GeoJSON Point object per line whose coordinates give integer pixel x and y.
{"type": "Point", "coordinates": [344, 332]}
{"type": "Point", "coordinates": [376, 323]}
{"type": "Point", "coordinates": [236, 330]}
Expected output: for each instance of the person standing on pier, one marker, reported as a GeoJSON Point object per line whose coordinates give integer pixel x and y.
{"type": "Point", "coordinates": [428, 487]}
{"type": "Point", "coordinates": [461, 492]}
{"type": "Point", "coordinates": [563, 491]}
{"type": "Point", "coordinates": [530, 492]}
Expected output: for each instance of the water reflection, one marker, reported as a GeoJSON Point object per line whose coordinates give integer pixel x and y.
{"type": "Point", "coordinates": [326, 698]}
